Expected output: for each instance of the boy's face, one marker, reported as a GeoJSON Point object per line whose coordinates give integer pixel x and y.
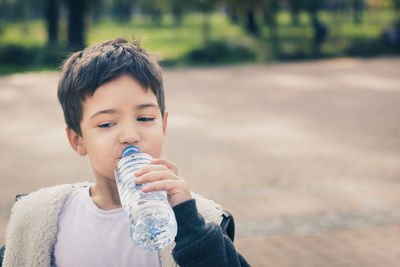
{"type": "Point", "coordinates": [120, 113]}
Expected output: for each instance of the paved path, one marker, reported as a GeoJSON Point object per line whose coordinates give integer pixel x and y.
{"type": "Point", "coordinates": [305, 155]}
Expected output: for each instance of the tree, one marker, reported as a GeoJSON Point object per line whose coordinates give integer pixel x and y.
{"type": "Point", "coordinates": [397, 8]}
{"type": "Point", "coordinates": [122, 9]}
{"type": "Point", "coordinates": [206, 7]}
{"type": "Point", "coordinates": [233, 11]}
{"type": "Point", "coordinates": [154, 9]}
{"type": "Point", "coordinates": [247, 9]}
{"type": "Point", "coordinates": [177, 9]}
{"type": "Point", "coordinates": [270, 9]}
{"type": "Point", "coordinates": [24, 9]}
{"type": "Point", "coordinates": [320, 30]}
{"type": "Point", "coordinates": [295, 7]}
{"type": "Point", "coordinates": [76, 23]}
{"type": "Point", "coordinates": [5, 7]}
{"type": "Point", "coordinates": [52, 15]}
{"type": "Point", "coordinates": [251, 24]}
{"type": "Point", "coordinates": [358, 6]}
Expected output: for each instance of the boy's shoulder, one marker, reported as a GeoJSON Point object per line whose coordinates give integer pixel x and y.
{"type": "Point", "coordinates": [211, 211]}
{"type": "Point", "coordinates": [49, 196]}
{"type": "Point", "coordinates": [41, 205]}
{"type": "Point", "coordinates": [33, 224]}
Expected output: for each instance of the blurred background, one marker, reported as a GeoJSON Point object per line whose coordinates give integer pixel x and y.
{"type": "Point", "coordinates": [284, 112]}
{"type": "Point", "coordinates": [37, 34]}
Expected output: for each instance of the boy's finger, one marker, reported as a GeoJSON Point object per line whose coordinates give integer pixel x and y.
{"type": "Point", "coordinates": [164, 185]}
{"type": "Point", "coordinates": [155, 176]}
{"type": "Point", "coordinates": [178, 190]}
{"type": "Point", "coordinates": [166, 163]}
{"type": "Point", "coordinates": [149, 168]}
{"type": "Point", "coordinates": [171, 186]}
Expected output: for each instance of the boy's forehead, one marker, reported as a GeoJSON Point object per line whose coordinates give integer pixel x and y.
{"type": "Point", "coordinates": [123, 80]}
{"type": "Point", "coordinates": [121, 90]}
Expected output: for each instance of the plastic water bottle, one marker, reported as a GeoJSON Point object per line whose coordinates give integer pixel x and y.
{"type": "Point", "coordinates": [152, 223]}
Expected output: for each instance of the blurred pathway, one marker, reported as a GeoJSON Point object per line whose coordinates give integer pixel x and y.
{"type": "Point", "coordinates": [305, 155]}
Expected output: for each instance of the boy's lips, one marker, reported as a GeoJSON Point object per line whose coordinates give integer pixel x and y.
{"type": "Point", "coordinates": [119, 157]}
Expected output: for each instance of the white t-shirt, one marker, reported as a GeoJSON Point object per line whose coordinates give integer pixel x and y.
{"type": "Point", "coordinates": [89, 236]}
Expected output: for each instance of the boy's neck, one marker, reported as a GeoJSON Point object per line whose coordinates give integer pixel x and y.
{"type": "Point", "coordinates": [105, 195]}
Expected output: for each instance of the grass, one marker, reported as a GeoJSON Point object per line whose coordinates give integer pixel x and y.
{"type": "Point", "coordinates": [10, 69]}
{"type": "Point", "coordinates": [166, 40]}
{"type": "Point", "coordinates": [29, 33]}
{"type": "Point", "coordinates": [172, 43]}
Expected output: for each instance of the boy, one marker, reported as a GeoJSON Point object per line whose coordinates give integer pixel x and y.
{"type": "Point", "coordinates": [112, 97]}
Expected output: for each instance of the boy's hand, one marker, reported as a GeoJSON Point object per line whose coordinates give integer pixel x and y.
{"type": "Point", "coordinates": [163, 175]}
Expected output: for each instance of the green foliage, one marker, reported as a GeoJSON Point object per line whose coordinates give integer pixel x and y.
{"type": "Point", "coordinates": [32, 33]}
{"type": "Point", "coordinates": [168, 41]}
{"type": "Point", "coordinates": [16, 55]}
{"type": "Point", "coordinates": [362, 47]}
{"type": "Point", "coordinates": [220, 52]}
{"type": "Point", "coordinates": [22, 56]}
{"type": "Point", "coordinates": [23, 43]}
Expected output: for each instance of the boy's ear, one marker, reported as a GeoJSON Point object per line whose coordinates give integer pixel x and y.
{"type": "Point", "coordinates": [165, 122]}
{"type": "Point", "coordinates": [76, 142]}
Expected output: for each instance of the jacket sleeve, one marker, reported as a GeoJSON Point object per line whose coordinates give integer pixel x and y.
{"type": "Point", "coordinates": [1, 255]}
{"type": "Point", "coordinates": [201, 244]}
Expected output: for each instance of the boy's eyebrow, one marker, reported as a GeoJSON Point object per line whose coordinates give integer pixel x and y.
{"type": "Point", "coordinates": [149, 105]}
{"type": "Point", "coordinates": [106, 111]}
{"type": "Point", "coordinates": [110, 111]}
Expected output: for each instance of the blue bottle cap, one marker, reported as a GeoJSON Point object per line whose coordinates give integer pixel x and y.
{"type": "Point", "coordinates": [129, 150]}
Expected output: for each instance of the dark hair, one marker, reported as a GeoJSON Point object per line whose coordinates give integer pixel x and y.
{"type": "Point", "coordinates": [86, 70]}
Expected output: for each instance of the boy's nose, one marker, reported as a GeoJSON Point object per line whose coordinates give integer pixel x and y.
{"type": "Point", "coordinates": [129, 135]}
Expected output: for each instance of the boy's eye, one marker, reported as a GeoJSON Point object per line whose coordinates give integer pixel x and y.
{"type": "Point", "coordinates": [106, 125]}
{"type": "Point", "coordinates": [145, 119]}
